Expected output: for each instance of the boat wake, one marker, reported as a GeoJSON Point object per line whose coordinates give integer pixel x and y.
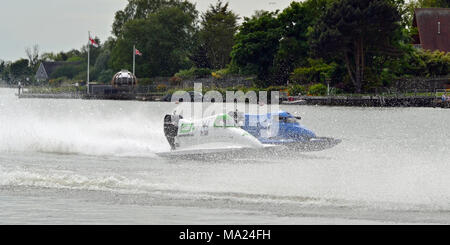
{"type": "Point", "coordinates": [85, 129]}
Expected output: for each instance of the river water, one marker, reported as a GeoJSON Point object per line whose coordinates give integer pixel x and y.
{"type": "Point", "coordinates": [94, 162]}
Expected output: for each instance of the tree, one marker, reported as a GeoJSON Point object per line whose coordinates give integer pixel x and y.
{"type": "Point", "coordinates": [94, 52]}
{"type": "Point", "coordinates": [33, 56]}
{"type": "Point", "coordinates": [296, 20]}
{"type": "Point", "coordinates": [2, 66]}
{"type": "Point", "coordinates": [68, 71]}
{"type": "Point", "coordinates": [3, 70]}
{"type": "Point", "coordinates": [199, 54]}
{"type": "Point", "coordinates": [102, 60]}
{"type": "Point", "coordinates": [219, 25]}
{"type": "Point", "coordinates": [317, 72]}
{"type": "Point", "coordinates": [164, 38]}
{"type": "Point", "coordinates": [63, 56]}
{"type": "Point", "coordinates": [48, 56]}
{"type": "Point", "coordinates": [256, 44]}
{"type": "Point", "coordinates": [274, 44]}
{"type": "Point", "coordinates": [352, 28]}
{"type": "Point", "coordinates": [105, 76]}
{"type": "Point", "coordinates": [142, 9]}
{"type": "Point", "coordinates": [20, 68]}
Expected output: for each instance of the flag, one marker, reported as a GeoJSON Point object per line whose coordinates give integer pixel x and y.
{"type": "Point", "coordinates": [137, 52]}
{"type": "Point", "coordinates": [93, 42]}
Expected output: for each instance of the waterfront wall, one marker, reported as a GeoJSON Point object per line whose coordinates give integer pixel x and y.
{"type": "Point", "coordinates": [226, 82]}
{"type": "Point", "coordinates": [421, 83]}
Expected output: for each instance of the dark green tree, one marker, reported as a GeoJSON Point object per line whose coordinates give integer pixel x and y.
{"type": "Point", "coordinates": [48, 56]}
{"type": "Point", "coordinates": [94, 52]}
{"type": "Point", "coordinates": [219, 25]}
{"type": "Point", "coordinates": [257, 44]}
{"type": "Point", "coordinates": [142, 9]}
{"type": "Point", "coordinates": [61, 56]}
{"type": "Point", "coordinates": [274, 44]}
{"type": "Point", "coordinates": [164, 38]}
{"type": "Point", "coordinates": [20, 68]}
{"type": "Point", "coordinates": [68, 71]}
{"type": "Point", "coordinates": [3, 70]}
{"type": "Point", "coordinates": [353, 28]}
{"type": "Point", "coordinates": [296, 20]}
{"type": "Point", "coordinates": [199, 54]}
{"type": "Point", "coordinates": [102, 60]}
{"type": "Point", "coordinates": [33, 57]}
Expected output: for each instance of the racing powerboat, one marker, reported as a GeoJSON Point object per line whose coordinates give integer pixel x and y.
{"type": "Point", "coordinates": [282, 128]}
{"type": "Point", "coordinates": [217, 134]}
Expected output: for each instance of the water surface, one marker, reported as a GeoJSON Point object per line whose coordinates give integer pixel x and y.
{"type": "Point", "coordinates": [94, 162]}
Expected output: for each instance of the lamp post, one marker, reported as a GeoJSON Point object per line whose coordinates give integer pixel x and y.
{"type": "Point", "coordinates": [88, 47]}
{"type": "Point", "coordinates": [134, 59]}
{"type": "Point", "coordinates": [327, 79]}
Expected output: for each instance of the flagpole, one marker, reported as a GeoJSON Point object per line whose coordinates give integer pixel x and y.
{"type": "Point", "coordinates": [134, 59]}
{"type": "Point", "coordinates": [89, 49]}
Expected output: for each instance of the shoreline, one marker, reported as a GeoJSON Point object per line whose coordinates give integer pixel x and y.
{"type": "Point", "coordinates": [350, 101]}
{"type": "Point", "coordinates": [377, 101]}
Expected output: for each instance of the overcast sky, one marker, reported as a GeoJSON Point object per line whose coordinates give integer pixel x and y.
{"type": "Point", "coordinates": [60, 25]}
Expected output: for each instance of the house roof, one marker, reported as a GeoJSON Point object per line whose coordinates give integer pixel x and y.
{"type": "Point", "coordinates": [433, 25]}
{"type": "Point", "coordinates": [50, 67]}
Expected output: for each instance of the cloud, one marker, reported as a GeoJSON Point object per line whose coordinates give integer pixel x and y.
{"type": "Point", "coordinates": [57, 25]}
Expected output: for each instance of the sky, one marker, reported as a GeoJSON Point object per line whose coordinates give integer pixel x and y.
{"type": "Point", "coordinates": [61, 25]}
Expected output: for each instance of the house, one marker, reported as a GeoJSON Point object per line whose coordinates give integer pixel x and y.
{"type": "Point", "coordinates": [433, 25]}
{"type": "Point", "coordinates": [47, 68]}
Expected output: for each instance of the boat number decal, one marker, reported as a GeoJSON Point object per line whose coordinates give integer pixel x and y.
{"type": "Point", "coordinates": [222, 119]}
{"type": "Point", "coordinates": [205, 130]}
{"type": "Point", "coordinates": [186, 128]}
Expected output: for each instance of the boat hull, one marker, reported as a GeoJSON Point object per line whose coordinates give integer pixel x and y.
{"type": "Point", "coordinates": [223, 153]}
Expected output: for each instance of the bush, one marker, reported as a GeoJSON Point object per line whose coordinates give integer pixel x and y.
{"type": "Point", "coordinates": [145, 81]}
{"type": "Point", "coordinates": [222, 73]}
{"type": "Point", "coordinates": [276, 88]}
{"type": "Point", "coordinates": [57, 81]}
{"type": "Point", "coordinates": [437, 63]}
{"type": "Point", "coordinates": [82, 76]}
{"type": "Point", "coordinates": [317, 71]}
{"type": "Point", "coordinates": [270, 89]}
{"type": "Point", "coordinates": [301, 75]}
{"type": "Point", "coordinates": [318, 90]}
{"type": "Point", "coordinates": [184, 74]}
{"type": "Point", "coordinates": [216, 75]}
{"type": "Point", "coordinates": [175, 80]}
{"type": "Point", "coordinates": [297, 89]}
{"type": "Point", "coordinates": [75, 59]}
{"type": "Point", "coordinates": [336, 91]}
{"type": "Point", "coordinates": [106, 76]}
{"type": "Point", "coordinates": [69, 71]}
{"type": "Point", "coordinates": [418, 63]}
{"type": "Point", "coordinates": [161, 88]}
{"type": "Point", "coordinates": [56, 90]}
{"type": "Point", "coordinates": [194, 73]}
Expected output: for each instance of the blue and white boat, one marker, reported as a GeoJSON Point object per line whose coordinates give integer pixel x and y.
{"type": "Point", "coordinates": [289, 132]}
{"type": "Point", "coordinates": [237, 133]}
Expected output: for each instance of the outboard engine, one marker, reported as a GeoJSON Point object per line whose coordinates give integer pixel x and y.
{"type": "Point", "coordinates": [238, 117]}
{"type": "Point", "coordinates": [171, 128]}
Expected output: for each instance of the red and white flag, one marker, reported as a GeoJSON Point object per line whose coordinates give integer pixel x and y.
{"type": "Point", "coordinates": [93, 42]}
{"type": "Point", "coordinates": [137, 52]}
